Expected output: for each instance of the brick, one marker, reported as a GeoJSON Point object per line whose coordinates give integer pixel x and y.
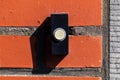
{"type": "Point", "coordinates": [114, 7]}
{"type": "Point", "coordinates": [115, 34]}
{"type": "Point", "coordinates": [114, 44]}
{"type": "Point", "coordinates": [115, 55]}
{"type": "Point", "coordinates": [115, 60]}
{"type": "Point", "coordinates": [47, 78]}
{"type": "Point", "coordinates": [115, 18]}
{"type": "Point", "coordinates": [115, 23]}
{"type": "Point", "coordinates": [114, 79]}
{"type": "Point", "coordinates": [113, 39]}
{"type": "Point", "coordinates": [115, 12]}
{"type": "Point", "coordinates": [15, 51]}
{"type": "Point", "coordinates": [117, 71]}
{"type": "Point", "coordinates": [117, 76]}
{"type": "Point", "coordinates": [84, 51]}
{"type": "Point", "coordinates": [114, 66]}
{"type": "Point", "coordinates": [20, 13]}
{"type": "Point", "coordinates": [114, 29]}
{"type": "Point", "coordinates": [114, 49]}
{"type": "Point", "coordinates": [114, 2]}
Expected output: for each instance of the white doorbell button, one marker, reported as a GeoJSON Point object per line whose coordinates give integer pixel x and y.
{"type": "Point", "coordinates": [59, 34]}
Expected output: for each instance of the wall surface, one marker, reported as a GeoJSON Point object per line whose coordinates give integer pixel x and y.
{"type": "Point", "coordinates": [114, 39]}
{"type": "Point", "coordinates": [23, 53]}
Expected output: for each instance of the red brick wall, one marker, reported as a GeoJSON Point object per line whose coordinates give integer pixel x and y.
{"type": "Point", "coordinates": [16, 51]}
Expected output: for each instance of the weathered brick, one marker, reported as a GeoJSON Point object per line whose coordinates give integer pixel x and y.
{"type": "Point", "coordinates": [33, 14]}
{"type": "Point", "coordinates": [114, 39]}
{"type": "Point", "coordinates": [115, 2]}
{"type": "Point", "coordinates": [85, 51]}
{"type": "Point", "coordinates": [115, 55]}
{"type": "Point", "coordinates": [113, 78]}
{"type": "Point", "coordinates": [115, 60]}
{"type": "Point", "coordinates": [114, 44]}
{"type": "Point", "coordinates": [117, 76]}
{"type": "Point", "coordinates": [114, 18]}
{"type": "Point", "coordinates": [117, 34]}
{"type": "Point", "coordinates": [114, 12]}
{"type": "Point", "coordinates": [114, 7]}
{"type": "Point", "coordinates": [117, 23]}
{"type": "Point", "coordinates": [16, 52]}
{"type": "Point", "coordinates": [48, 78]}
{"type": "Point", "coordinates": [114, 66]}
{"type": "Point", "coordinates": [117, 71]}
{"type": "Point", "coordinates": [114, 29]}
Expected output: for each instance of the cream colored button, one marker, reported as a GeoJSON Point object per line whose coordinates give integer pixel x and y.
{"type": "Point", "coordinates": [59, 34]}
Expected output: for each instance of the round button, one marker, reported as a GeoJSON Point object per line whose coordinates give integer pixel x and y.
{"type": "Point", "coordinates": [59, 34]}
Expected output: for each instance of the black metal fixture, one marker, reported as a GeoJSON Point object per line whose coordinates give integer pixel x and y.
{"type": "Point", "coordinates": [59, 34]}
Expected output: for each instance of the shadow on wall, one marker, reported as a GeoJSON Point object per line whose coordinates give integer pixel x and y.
{"type": "Point", "coordinates": [40, 46]}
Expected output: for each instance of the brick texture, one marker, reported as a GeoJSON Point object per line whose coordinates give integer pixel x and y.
{"type": "Point", "coordinates": [15, 52]}
{"type": "Point", "coordinates": [47, 78]}
{"type": "Point", "coordinates": [84, 51]}
{"type": "Point", "coordinates": [34, 12]}
{"type": "Point", "coordinates": [24, 50]}
{"type": "Point", "coordinates": [114, 39]}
